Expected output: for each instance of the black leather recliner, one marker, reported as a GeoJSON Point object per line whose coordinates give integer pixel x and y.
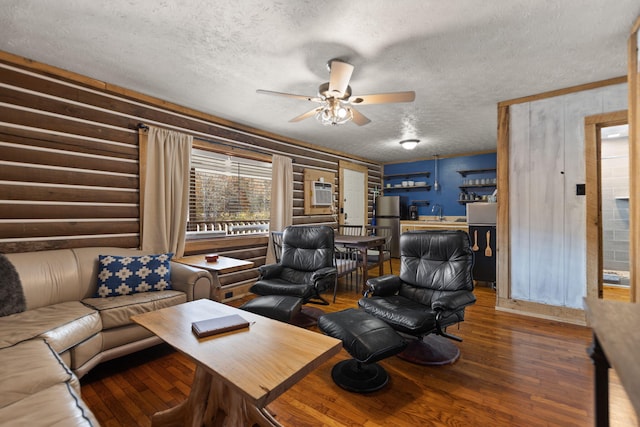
{"type": "Point", "coordinates": [431, 293]}
{"type": "Point", "coordinates": [306, 268]}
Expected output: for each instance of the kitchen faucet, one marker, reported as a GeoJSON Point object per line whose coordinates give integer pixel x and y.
{"type": "Point", "coordinates": [437, 208]}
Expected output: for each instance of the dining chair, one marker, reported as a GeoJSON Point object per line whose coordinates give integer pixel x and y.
{"type": "Point", "coordinates": [350, 230]}
{"type": "Point", "coordinates": [347, 262]}
{"type": "Point", "coordinates": [276, 239]}
{"type": "Point", "coordinates": [373, 256]}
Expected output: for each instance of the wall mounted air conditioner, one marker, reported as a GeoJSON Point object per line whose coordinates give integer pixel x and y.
{"type": "Point", "coordinates": [321, 193]}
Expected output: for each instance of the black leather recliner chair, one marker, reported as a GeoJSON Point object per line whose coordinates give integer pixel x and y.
{"type": "Point", "coordinates": [431, 293]}
{"type": "Point", "coordinates": [306, 268]}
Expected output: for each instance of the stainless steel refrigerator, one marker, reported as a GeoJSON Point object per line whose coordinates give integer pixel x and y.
{"type": "Point", "coordinates": [389, 211]}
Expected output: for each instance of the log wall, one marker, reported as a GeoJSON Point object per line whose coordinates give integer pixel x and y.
{"type": "Point", "coordinates": [69, 162]}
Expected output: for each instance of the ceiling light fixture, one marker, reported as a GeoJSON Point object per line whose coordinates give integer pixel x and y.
{"type": "Point", "coordinates": [333, 112]}
{"type": "Point", "coordinates": [409, 144]}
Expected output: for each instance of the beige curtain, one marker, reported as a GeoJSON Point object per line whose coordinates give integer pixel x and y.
{"type": "Point", "coordinates": [281, 198]}
{"type": "Point", "coordinates": [164, 184]}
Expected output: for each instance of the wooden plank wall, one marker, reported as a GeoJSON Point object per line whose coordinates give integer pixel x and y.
{"type": "Point", "coordinates": [69, 162]}
{"type": "Point", "coordinates": [542, 221]}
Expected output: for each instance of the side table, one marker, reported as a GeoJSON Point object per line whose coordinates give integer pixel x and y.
{"type": "Point", "coordinates": [223, 265]}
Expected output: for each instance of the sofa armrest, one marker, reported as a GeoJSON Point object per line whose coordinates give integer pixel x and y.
{"type": "Point", "coordinates": [196, 282]}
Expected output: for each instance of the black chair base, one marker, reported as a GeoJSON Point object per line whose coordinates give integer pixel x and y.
{"type": "Point", "coordinates": [358, 377]}
{"type": "Point", "coordinates": [368, 340]}
{"type": "Point", "coordinates": [432, 350]}
{"type": "Point", "coordinates": [306, 317]}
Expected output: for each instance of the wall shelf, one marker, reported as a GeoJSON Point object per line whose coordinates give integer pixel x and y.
{"type": "Point", "coordinates": [407, 175]}
{"type": "Point", "coordinates": [476, 186]}
{"type": "Point", "coordinates": [409, 188]}
{"type": "Point", "coordinates": [472, 171]}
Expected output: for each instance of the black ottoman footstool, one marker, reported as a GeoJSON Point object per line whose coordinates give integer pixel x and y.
{"type": "Point", "coordinates": [278, 307]}
{"type": "Point", "coordinates": [366, 338]}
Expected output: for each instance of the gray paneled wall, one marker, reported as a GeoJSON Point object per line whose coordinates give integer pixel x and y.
{"type": "Point", "coordinates": [547, 218]}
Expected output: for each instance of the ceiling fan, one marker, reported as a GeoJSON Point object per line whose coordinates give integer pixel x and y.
{"type": "Point", "coordinates": [336, 101]}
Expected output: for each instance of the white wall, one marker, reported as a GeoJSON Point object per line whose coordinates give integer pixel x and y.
{"type": "Point", "coordinates": [547, 218]}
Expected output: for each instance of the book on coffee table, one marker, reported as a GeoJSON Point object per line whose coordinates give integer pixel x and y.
{"type": "Point", "coordinates": [218, 325]}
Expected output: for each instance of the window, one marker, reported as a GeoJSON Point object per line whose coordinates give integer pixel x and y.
{"type": "Point", "coordinates": [227, 195]}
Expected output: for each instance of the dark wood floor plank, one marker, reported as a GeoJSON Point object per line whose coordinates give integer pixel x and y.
{"type": "Point", "coordinates": [513, 371]}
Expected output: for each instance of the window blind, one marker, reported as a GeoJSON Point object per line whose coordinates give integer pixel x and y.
{"type": "Point", "coordinates": [226, 190]}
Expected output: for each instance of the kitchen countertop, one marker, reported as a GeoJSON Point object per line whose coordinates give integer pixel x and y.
{"type": "Point", "coordinates": [430, 222]}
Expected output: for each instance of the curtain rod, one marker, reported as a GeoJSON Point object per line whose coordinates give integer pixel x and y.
{"type": "Point", "coordinates": [145, 127]}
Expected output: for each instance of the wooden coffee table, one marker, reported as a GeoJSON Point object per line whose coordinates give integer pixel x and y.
{"type": "Point", "coordinates": [237, 373]}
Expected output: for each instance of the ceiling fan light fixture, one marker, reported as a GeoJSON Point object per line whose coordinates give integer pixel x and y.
{"type": "Point", "coordinates": [409, 144]}
{"type": "Point", "coordinates": [334, 97]}
{"type": "Point", "coordinates": [334, 113]}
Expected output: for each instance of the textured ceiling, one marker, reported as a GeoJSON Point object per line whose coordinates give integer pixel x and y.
{"type": "Point", "coordinates": [460, 57]}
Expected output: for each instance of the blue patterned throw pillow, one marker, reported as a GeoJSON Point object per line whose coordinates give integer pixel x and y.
{"type": "Point", "coordinates": [125, 275]}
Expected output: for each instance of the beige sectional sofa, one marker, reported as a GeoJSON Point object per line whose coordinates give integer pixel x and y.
{"type": "Point", "coordinates": [66, 330]}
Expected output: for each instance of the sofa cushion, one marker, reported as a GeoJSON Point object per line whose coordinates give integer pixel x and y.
{"type": "Point", "coordinates": [48, 277]}
{"type": "Point", "coordinates": [29, 367]}
{"type": "Point", "coordinates": [117, 311]}
{"type": "Point", "coordinates": [62, 325]}
{"type": "Point", "coordinates": [11, 294]}
{"type": "Point", "coordinates": [84, 351]}
{"type": "Point", "coordinates": [58, 405]}
{"type": "Point", "coordinates": [126, 275]}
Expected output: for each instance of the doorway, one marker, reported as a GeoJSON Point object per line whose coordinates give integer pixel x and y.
{"type": "Point", "coordinates": [353, 196]}
{"type": "Point", "coordinates": [614, 183]}
{"type": "Point", "coordinates": [607, 191]}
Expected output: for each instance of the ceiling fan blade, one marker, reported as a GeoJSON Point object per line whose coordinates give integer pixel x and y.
{"type": "Point", "coordinates": [383, 98]}
{"type": "Point", "coordinates": [359, 118]}
{"type": "Point", "coordinates": [339, 78]}
{"type": "Point", "coordinates": [306, 115]}
{"type": "Point", "coordinates": [290, 95]}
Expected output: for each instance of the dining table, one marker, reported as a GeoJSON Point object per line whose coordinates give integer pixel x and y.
{"type": "Point", "coordinates": [616, 343]}
{"type": "Point", "coordinates": [363, 244]}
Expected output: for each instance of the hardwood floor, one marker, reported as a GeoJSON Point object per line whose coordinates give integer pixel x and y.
{"type": "Point", "coordinates": [616, 293]}
{"type": "Point", "coordinates": [513, 371]}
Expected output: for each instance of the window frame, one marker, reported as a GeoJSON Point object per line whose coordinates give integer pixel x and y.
{"type": "Point", "coordinates": [252, 227]}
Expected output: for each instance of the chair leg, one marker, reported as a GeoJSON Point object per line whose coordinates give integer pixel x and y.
{"type": "Point", "coordinates": [307, 317]}
{"type": "Point", "coordinates": [318, 297]}
{"type": "Point", "coordinates": [358, 377]}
